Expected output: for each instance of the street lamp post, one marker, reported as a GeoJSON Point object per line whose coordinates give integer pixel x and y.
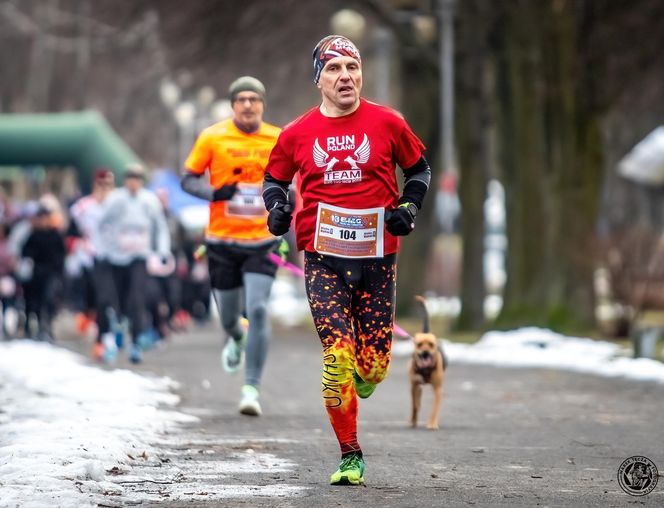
{"type": "Point", "coordinates": [446, 13]}
{"type": "Point", "coordinates": [192, 112]}
{"type": "Point", "coordinates": [185, 117]}
{"type": "Point", "coordinates": [204, 100]}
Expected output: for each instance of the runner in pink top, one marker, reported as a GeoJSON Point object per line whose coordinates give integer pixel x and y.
{"type": "Point", "coordinates": [346, 152]}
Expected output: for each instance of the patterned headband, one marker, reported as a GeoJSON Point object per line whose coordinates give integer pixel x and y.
{"type": "Point", "coordinates": [331, 47]}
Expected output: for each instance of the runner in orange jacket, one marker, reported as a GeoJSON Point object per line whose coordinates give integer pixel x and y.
{"type": "Point", "coordinates": [234, 152]}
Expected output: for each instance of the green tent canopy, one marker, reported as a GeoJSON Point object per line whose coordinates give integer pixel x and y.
{"type": "Point", "coordinates": [81, 139]}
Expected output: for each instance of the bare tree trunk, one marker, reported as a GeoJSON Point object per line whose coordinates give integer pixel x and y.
{"type": "Point", "coordinates": [83, 54]}
{"type": "Point", "coordinates": [474, 140]}
{"type": "Point", "coordinates": [420, 84]}
{"type": "Point", "coordinates": [552, 165]}
{"type": "Point", "coordinates": [41, 60]}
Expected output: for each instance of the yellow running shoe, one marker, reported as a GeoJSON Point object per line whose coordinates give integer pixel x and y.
{"type": "Point", "coordinates": [350, 472]}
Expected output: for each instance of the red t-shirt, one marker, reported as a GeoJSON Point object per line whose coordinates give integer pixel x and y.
{"type": "Point", "coordinates": [347, 161]}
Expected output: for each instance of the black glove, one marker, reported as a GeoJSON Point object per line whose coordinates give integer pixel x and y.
{"type": "Point", "coordinates": [279, 219]}
{"type": "Point", "coordinates": [401, 220]}
{"type": "Point", "coordinates": [224, 193]}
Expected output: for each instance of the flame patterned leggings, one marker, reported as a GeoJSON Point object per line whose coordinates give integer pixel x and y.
{"type": "Point", "coordinates": [351, 302]}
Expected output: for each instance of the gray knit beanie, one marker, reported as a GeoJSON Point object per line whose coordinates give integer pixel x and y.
{"type": "Point", "coordinates": [246, 84]}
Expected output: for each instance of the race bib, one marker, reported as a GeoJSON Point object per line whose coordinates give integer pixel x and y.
{"type": "Point", "coordinates": [348, 233]}
{"type": "Point", "coordinates": [247, 201]}
{"type": "Point", "coordinates": [133, 240]}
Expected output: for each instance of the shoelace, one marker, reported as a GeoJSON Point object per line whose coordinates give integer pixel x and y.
{"type": "Point", "coordinates": [349, 462]}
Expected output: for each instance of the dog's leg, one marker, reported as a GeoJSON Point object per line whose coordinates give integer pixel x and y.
{"type": "Point", "coordinates": [416, 395]}
{"type": "Point", "coordinates": [435, 407]}
{"type": "Point", "coordinates": [437, 381]}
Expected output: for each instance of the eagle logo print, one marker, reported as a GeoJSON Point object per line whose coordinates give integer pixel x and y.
{"type": "Point", "coordinates": [321, 156]}
{"type": "Point", "coordinates": [361, 154]}
{"type": "Point", "coordinates": [323, 159]}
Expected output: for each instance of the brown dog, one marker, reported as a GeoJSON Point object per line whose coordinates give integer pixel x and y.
{"type": "Point", "coordinates": [427, 366]}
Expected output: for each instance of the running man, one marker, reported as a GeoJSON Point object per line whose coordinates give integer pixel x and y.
{"type": "Point", "coordinates": [235, 152]}
{"type": "Point", "coordinates": [84, 215]}
{"type": "Point", "coordinates": [130, 230]}
{"type": "Point", "coordinates": [346, 151]}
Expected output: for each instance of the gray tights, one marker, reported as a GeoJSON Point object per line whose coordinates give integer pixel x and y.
{"type": "Point", "coordinates": [257, 288]}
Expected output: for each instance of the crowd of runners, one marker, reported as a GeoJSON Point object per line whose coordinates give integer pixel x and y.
{"type": "Point", "coordinates": [116, 258]}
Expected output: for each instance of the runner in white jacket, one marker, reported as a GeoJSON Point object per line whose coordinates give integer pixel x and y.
{"type": "Point", "coordinates": [132, 228]}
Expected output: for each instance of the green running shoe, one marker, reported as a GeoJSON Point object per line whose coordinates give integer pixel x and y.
{"type": "Point", "coordinates": [362, 388]}
{"type": "Point", "coordinates": [350, 472]}
{"type": "Point", "coordinates": [249, 405]}
{"type": "Point", "coordinates": [233, 354]}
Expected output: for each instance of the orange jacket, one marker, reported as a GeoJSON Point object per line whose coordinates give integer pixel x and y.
{"type": "Point", "coordinates": [233, 156]}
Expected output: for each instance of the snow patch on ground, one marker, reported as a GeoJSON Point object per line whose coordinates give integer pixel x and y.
{"type": "Point", "coordinates": [537, 347]}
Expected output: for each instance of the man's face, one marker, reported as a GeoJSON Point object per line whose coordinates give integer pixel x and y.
{"type": "Point", "coordinates": [133, 183]}
{"type": "Point", "coordinates": [341, 82]}
{"type": "Point", "coordinates": [248, 109]}
{"type": "Point", "coordinates": [104, 185]}
{"type": "Point", "coordinates": [42, 221]}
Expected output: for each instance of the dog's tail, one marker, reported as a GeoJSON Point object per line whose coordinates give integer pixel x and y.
{"type": "Point", "coordinates": [425, 314]}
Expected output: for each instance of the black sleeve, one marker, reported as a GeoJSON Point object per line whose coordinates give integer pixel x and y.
{"type": "Point", "coordinates": [274, 191]}
{"type": "Point", "coordinates": [73, 230]}
{"type": "Point", "coordinates": [60, 252]}
{"type": "Point", "coordinates": [416, 183]}
{"type": "Point", "coordinates": [196, 186]}
{"type": "Point", "coordinates": [27, 251]}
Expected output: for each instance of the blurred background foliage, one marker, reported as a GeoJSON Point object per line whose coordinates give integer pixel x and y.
{"type": "Point", "coordinates": [549, 97]}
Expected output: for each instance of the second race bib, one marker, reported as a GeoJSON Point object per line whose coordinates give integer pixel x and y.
{"type": "Point", "coordinates": [247, 201]}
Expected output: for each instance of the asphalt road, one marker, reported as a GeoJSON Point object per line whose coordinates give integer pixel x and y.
{"type": "Point", "coordinates": [508, 437]}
